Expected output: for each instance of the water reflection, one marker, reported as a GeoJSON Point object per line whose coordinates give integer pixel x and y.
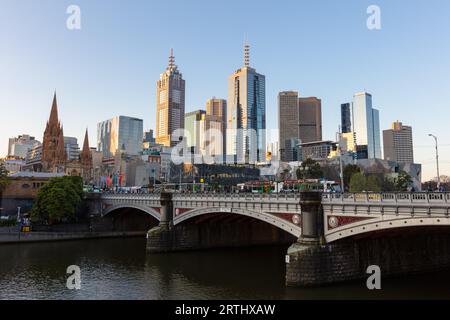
{"type": "Point", "coordinates": [121, 269]}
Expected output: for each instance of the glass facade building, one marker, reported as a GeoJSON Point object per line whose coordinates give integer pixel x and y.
{"type": "Point", "coordinates": [366, 125]}
{"type": "Point", "coordinates": [246, 135]}
{"type": "Point", "coordinates": [346, 125]}
{"type": "Point", "coordinates": [120, 134]}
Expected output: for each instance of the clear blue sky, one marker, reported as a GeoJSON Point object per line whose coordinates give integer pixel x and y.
{"type": "Point", "coordinates": [320, 48]}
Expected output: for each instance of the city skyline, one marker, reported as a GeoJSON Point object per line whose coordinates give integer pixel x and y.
{"type": "Point", "coordinates": [340, 74]}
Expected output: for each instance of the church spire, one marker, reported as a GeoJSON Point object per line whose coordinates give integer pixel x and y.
{"type": "Point", "coordinates": [85, 156]}
{"type": "Point", "coordinates": [54, 112]}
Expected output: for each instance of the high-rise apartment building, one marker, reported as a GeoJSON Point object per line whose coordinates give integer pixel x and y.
{"type": "Point", "coordinates": [398, 143]}
{"type": "Point", "coordinates": [366, 125]}
{"type": "Point", "coordinates": [120, 134]}
{"type": "Point", "coordinates": [246, 113]}
{"type": "Point", "coordinates": [19, 147]}
{"type": "Point", "coordinates": [72, 148]}
{"type": "Point", "coordinates": [170, 104]}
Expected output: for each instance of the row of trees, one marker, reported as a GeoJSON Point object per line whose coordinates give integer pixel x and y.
{"type": "Point", "coordinates": [354, 179]}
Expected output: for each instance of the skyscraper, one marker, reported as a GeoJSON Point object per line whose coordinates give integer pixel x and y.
{"type": "Point", "coordinates": [217, 108]}
{"type": "Point", "coordinates": [246, 112]}
{"type": "Point", "coordinates": [288, 123]}
{"type": "Point", "coordinates": [310, 119]}
{"type": "Point", "coordinates": [120, 134]}
{"type": "Point", "coordinates": [366, 125]}
{"type": "Point", "coordinates": [398, 143]}
{"type": "Point", "coordinates": [170, 96]}
{"type": "Point", "coordinates": [346, 123]}
{"type": "Point", "coordinates": [192, 128]}
{"type": "Point", "coordinates": [300, 121]}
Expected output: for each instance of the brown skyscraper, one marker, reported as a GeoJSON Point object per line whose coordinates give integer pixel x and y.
{"type": "Point", "coordinates": [310, 115]}
{"type": "Point", "coordinates": [217, 109]}
{"type": "Point", "coordinates": [299, 121]}
{"type": "Point", "coordinates": [53, 151]}
{"type": "Point", "coordinates": [170, 95]}
{"type": "Point", "coordinates": [288, 124]}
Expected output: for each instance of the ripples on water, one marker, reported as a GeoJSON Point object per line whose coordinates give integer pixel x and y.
{"type": "Point", "coordinates": [121, 269]}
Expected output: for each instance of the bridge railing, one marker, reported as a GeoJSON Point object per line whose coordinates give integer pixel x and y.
{"type": "Point", "coordinates": [388, 197]}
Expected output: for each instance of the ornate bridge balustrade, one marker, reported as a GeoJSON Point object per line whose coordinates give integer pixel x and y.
{"type": "Point", "coordinates": [350, 214]}
{"type": "Point", "coordinates": [280, 210]}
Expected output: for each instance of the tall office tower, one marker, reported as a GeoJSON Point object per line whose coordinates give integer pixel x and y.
{"type": "Point", "coordinates": [192, 128]}
{"type": "Point", "coordinates": [19, 147]}
{"type": "Point", "coordinates": [288, 123]}
{"type": "Point", "coordinates": [170, 95]}
{"type": "Point", "coordinates": [346, 123]}
{"type": "Point", "coordinates": [398, 143]}
{"type": "Point", "coordinates": [310, 119]}
{"type": "Point", "coordinates": [120, 134]}
{"type": "Point", "coordinates": [246, 112]}
{"type": "Point", "coordinates": [218, 109]}
{"type": "Point", "coordinates": [366, 125]}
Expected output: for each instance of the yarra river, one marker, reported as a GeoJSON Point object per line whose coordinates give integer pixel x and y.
{"type": "Point", "coordinates": [121, 269]}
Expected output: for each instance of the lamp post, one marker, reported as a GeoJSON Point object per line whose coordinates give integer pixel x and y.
{"type": "Point", "coordinates": [437, 161]}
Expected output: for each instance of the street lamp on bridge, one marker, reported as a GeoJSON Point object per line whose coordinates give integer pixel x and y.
{"type": "Point", "coordinates": [437, 162]}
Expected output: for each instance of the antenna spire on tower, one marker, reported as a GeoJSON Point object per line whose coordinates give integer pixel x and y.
{"type": "Point", "coordinates": [171, 59]}
{"type": "Point", "coordinates": [246, 52]}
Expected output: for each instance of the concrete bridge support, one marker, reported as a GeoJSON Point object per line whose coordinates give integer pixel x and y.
{"type": "Point", "coordinates": [312, 262]}
{"type": "Point", "coordinates": [160, 238]}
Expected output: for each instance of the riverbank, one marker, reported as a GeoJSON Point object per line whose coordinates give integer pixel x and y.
{"type": "Point", "coordinates": [32, 237]}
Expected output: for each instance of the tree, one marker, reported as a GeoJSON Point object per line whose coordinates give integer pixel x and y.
{"type": "Point", "coordinates": [4, 180]}
{"type": "Point", "coordinates": [309, 169]}
{"type": "Point", "coordinates": [357, 182]}
{"type": "Point", "coordinates": [349, 171]}
{"type": "Point", "coordinates": [403, 181]}
{"type": "Point", "coordinates": [58, 200]}
{"type": "Point", "coordinates": [372, 184]}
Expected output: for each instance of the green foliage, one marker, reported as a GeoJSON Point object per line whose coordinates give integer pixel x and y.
{"type": "Point", "coordinates": [309, 169]}
{"type": "Point", "coordinates": [372, 184]}
{"type": "Point", "coordinates": [403, 181]}
{"type": "Point", "coordinates": [58, 199]}
{"type": "Point", "coordinates": [8, 223]}
{"type": "Point", "coordinates": [4, 180]}
{"type": "Point", "coordinates": [349, 171]}
{"type": "Point", "coordinates": [358, 182]}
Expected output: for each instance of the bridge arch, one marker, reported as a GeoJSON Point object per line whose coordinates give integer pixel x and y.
{"type": "Point", "coordinates": [261, 216]}
{"type": "Point", "coordinates": [152, 212]}
{"type": "Point", "coordinates": [367, 227]}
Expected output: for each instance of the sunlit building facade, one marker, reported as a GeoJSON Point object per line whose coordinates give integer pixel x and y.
{"type": "Point", "coordinates": [366, 125]}
{"type": "Point", "coordinates": [120, 134]}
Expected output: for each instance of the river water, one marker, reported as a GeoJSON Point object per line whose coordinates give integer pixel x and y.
{"type": "Point", "coordinates": [121, 269]}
